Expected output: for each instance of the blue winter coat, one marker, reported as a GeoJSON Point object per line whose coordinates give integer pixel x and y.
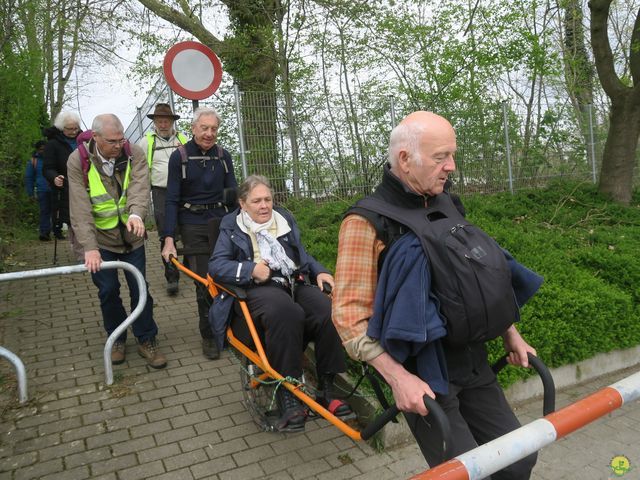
{"type": "Point", "coordinates": [232, 264]}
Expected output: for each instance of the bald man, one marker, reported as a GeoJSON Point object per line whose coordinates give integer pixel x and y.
{"type": "Point", "coordinates": [421, 157]}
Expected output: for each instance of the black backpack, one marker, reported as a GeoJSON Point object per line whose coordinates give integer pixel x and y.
{"type": "Point", "coordinates": [470, 275]}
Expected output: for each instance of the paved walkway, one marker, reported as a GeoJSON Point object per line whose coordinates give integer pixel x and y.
{"type": "Point", "coordinates": [187, 421]}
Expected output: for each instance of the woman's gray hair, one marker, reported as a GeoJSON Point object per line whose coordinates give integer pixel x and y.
{"type": "Point", "coordinates": [405, 136]}
{"type": "Point", "coordinates": [202, 111]}
{"type": "Point", "coordinates": [251, 182]}
{"type": "Point", "coordinates": [105, 119]}
{"type": "Point", "coordinates": [66, 117]}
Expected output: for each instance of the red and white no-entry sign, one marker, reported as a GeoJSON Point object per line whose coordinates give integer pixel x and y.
{"type": "Point", "coordinates": [192, 70]}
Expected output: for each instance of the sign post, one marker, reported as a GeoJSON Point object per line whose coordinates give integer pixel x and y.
{"type": "Point", "coordinates": [192, 70]}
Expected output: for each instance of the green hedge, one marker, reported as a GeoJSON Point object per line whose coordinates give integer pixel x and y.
{"type": "Point", "coordinates": [585, 247]}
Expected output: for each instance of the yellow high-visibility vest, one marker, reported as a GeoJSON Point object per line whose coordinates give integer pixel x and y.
{"type": "Point", "coordinates": [104, 208]}
{"type": "Point", "coordinates": [151, 143]}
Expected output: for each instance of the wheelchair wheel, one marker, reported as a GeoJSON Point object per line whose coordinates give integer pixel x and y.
{"type": "Point", "coordinates": [258, 398]}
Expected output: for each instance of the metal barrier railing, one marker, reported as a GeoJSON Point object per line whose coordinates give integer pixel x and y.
{"type": "Point", "coordinates": [503, 451]}
{"type": "Point", "coordinates": [47, 272]}
{"type": "Point", "coordinates": [21, 374]}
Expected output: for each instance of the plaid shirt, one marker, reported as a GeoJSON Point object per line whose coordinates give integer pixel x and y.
{"type": "Point", "coordinates": [355, 286]}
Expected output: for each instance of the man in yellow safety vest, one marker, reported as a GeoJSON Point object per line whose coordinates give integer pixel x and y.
{"type": "Point", "coordinates": [108, 200]}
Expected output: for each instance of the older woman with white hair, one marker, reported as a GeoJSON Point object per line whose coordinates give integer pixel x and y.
{"type": "Point", "coordinates": [259, 249]}
{"type": "Point", "coordinates": [62, 141]}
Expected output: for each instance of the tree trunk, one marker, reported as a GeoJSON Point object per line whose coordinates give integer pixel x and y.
{"type": "Point", "coordinates": [619, 156]}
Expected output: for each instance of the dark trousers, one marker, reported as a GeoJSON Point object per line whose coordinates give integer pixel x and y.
{"type": "Point", "coordinates": [478, 413]}
{"type": "Point", "coordinates": [113, 312]}
{"type": "Point", "coordinates": [46, 213]}
{"type": "Point", "coordinates": [287, 326]}
{"type": "Point", "coordinates": [158, 196]}
{"type": "Point", "coordinates": [195, 238]}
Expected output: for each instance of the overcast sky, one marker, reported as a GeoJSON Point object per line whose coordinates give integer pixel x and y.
{"type": "Point", "coordinates": [113, 94]}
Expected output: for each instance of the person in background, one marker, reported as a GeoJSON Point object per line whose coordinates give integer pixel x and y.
{"type": "Point", "coordinates": [62, 141]}
{"type": "Point", "coordinates": [195, 194]}
{"type": "Point", "coordinates": [159, 143]}
{"type": "Point", "coordinates": [36, 186]}
{"type": "Point", "coordinates": [259, 249]}
{"type": "Point", "coordinates": [108, 204]}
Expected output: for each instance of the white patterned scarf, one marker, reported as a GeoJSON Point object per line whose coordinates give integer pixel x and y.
{"type": "Point", "coordinates": [270, 249]}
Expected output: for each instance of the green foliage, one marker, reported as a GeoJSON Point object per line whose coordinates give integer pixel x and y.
{"type": "Point", "coordinates": [583, 246]}
{"type": "Point", "coordinates": [21, 115]}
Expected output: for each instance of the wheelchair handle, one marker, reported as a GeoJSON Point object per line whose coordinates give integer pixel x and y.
{"type": "Point", "coordinates": [436, 417]}
{"type": "Point", "coordinates": [549, 399]}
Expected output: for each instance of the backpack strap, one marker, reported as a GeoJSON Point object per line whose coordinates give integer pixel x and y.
{"type": "Point", "coordinates": [221, 158]}
{"type": "Point", "coordinates": [387, 229]}
{"type": "Point", "coordinates": [84, 154]}
{"type": "Point", "coordinates": [183, 160]}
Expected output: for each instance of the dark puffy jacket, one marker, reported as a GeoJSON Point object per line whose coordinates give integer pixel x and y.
{"type": "Point", "coordinates": [56, 154]}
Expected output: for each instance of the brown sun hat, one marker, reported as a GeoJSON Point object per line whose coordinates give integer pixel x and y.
{"type": "Point", "coordinates": [163, 110]}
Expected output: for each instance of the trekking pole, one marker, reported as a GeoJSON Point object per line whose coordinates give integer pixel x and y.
{"type": "Point", "coordinates": [56, 228]}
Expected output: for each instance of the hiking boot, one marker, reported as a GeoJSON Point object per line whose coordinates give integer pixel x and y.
{"type": "Point", "coordinates": [172, 288]}
{"type": "Point", "coordinates": [210, 348]}
{"type": "Point", "coordinates": [45, 238]}
{"type": "Point", "coordinates": [118, 353]}
{"type": "Point", "coordinates": [292, 412]}
{"type": "Point", "coordinates": [149, 351]}
{"type": "Point", "coordinates": [326, 397]}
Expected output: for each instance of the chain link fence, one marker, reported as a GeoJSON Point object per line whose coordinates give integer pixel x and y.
{"type": "Point", "coordinates": [334, 146]}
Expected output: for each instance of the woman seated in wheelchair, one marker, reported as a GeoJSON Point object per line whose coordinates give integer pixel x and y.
{"type": "Point", "coordinates": [259, 249]}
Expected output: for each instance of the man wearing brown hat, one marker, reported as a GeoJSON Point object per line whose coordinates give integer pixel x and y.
{"type": "Point", "coordinates": [159, 143]}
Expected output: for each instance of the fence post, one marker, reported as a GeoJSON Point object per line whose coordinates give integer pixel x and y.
{"type": "Point", "coordinates": [507, 145]}
{"type": "Point", "coordinates": [139, 118]}
{"type": "Point", "coordinates": [592, 143]}
{"type": "Point", "coordinates": [392, 108]}
{"type": "Point", "coordinates": [243, 158]}
{"type": "Point", "coordinates": [170, 97]}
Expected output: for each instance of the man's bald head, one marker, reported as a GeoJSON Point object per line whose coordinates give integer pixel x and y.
{"type": "Point", "coordinates": [423, 137]}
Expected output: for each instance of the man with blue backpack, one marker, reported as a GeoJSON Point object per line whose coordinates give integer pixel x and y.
{"type": "Point", "coordinates": [108, 198]}
{"type": "Point", "coordinates": [37, 186]}
{"type": "Point", "coordinates": [419, 290]}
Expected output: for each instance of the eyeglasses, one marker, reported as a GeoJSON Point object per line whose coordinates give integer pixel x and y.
{"type": "Point", "coordinates": [71, 129]}
{"type": "Point", "coordinates": [111, 141]}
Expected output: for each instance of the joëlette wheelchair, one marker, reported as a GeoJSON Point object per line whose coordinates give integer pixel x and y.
{"type": "Point", "coordinates": [259, 380]}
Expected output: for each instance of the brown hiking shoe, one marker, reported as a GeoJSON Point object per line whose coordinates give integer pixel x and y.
{"type": "Point", "coordinates": [118, 353]}
{"type": "Point", "coordinates": [149, 351]}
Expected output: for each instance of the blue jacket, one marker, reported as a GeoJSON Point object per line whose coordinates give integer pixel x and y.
{"type": "Point", "coordinates": [405, 314]}
{"type": "Point", "coordinates": [34, 178]}
{"type": "Point", "coordinates": [232, 264]}
{"type": "Point", "coordinates": [204, 185]}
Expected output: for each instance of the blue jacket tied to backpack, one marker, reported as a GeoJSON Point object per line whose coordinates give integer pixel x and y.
{"type": "Point", "coordinates": [405, 314]}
